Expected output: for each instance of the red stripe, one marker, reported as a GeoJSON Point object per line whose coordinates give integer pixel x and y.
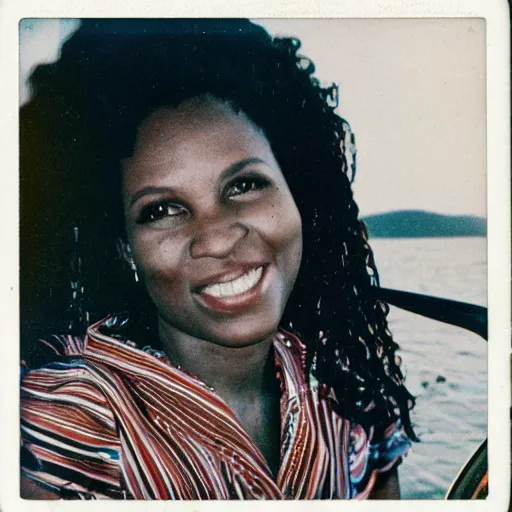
{"type": "Point", "coordinates": [174, 436]}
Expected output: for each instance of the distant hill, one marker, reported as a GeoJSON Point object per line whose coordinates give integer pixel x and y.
{"type": "Point", "coordinates": [421, 224]}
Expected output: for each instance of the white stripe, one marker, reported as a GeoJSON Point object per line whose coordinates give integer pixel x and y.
{"type": "Point", "coordinates": [54, 442]}
{"type": "Point", "coordinates": [53, 396]}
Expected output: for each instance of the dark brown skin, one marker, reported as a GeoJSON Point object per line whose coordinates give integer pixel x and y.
{"type": "Point", "coordinates": [207, 230]}
{"type": "Point", "coordinates": [247, 383]}
{"type": "Point", "coordinates": [190, 170]}
{"type": "Point", "coordinates": [185, 174]}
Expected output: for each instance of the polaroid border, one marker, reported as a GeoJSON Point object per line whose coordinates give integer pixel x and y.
{"type": "Point", "coordinates": [496, 14]}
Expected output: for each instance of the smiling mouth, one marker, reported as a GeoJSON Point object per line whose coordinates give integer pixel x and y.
{"type": "Point", "coordinates": [238, 286]}
{"type": "Point", "coordinates": [236, 295]}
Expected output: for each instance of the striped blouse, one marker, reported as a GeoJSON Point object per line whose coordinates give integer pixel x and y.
{"type": "Point", "coordinates": [110, 420]}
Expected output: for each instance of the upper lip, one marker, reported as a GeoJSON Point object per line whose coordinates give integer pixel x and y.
{"type": "Point", "coordinates": [227, 274]}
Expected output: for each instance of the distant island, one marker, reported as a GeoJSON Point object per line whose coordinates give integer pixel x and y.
{"type": "Point", "coordinates": [421, 224]}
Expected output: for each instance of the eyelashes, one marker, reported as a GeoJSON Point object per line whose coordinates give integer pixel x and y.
{"type": "Point", "coordinates": [245, 185]}
{"type": "Point", "coordinates": [156, 212]}
{"type": "Point", "coordinates": [167, 213]}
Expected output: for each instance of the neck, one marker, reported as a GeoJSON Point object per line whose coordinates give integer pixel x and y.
{"type": "Point", "coordinates": [233, 372]}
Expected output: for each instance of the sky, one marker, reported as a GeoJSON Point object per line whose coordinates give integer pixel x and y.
{"type": "Point", "coordinates": [413, 91]}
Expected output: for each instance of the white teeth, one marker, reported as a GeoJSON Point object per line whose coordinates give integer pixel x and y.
{"type": "Point", "coordinates": [216, 289]}
{"type": "Point", "coordinates": [237, 286]}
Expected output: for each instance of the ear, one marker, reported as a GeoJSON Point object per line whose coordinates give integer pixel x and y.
{"type": "Point", "coordinates": [125, 252]}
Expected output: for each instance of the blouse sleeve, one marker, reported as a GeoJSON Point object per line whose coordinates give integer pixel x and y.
{"type": "Point", "coordinates": [371, 453]}
{"type": "Point", "coordinates": [69, 441]}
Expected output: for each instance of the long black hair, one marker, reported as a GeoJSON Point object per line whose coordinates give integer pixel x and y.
{"type": "Point", "coordinates": [82, 120]}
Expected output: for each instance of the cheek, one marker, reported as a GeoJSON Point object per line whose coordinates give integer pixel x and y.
{"type": "Point", "coordinates": [157, 256]}
{"type": "Point", "coordinates": [285, 226]}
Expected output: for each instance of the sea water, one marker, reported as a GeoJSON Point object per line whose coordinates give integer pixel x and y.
{"type": "Point", "coordinates": [445, 366]}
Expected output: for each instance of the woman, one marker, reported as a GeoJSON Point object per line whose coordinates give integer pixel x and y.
{"type": "Point", "coordinates": [203, 175]}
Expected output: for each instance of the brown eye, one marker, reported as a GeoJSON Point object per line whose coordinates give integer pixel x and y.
{"type": "Point", "coordinates": [157, 212]}
{"type": "Point", "coordinates": [246, 184]}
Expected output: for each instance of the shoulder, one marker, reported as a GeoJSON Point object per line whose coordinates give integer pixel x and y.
{"type": "Point", "coordinates": [370, 454]}
{"type": "Point", "coordinates": [70, 388]}
{"type": "Point", "coordinates": [64, 380]}
{"type": "Point", "coordinates": [70, 445]}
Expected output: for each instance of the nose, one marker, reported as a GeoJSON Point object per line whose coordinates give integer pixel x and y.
{"type": "Point", "coordinates": [217, 240]}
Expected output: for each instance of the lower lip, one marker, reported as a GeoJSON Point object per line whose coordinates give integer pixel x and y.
{"type": "Point", "coordinates": [235, 302]}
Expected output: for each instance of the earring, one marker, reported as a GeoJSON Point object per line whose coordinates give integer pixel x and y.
{"type": "Point", "coordinates": [125, 251]}
{"type": "Point", "coordinates": [134, 268]}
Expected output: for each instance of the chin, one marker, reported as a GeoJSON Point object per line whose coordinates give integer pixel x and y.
{"type": "Point", "coordinates": [244, 336]}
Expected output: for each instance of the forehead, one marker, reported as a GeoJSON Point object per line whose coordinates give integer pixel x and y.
{"type": "Point", "coordinates": [201, 121]}
{"type": "Point", "coordinates": [200, 137]}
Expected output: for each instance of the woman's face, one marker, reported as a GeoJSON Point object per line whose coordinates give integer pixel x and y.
{"type": "Point", "coordinates": [213, 228]}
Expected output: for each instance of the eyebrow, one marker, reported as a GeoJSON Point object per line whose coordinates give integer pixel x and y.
{"type": "Point", "coordinates": [226, 174]}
